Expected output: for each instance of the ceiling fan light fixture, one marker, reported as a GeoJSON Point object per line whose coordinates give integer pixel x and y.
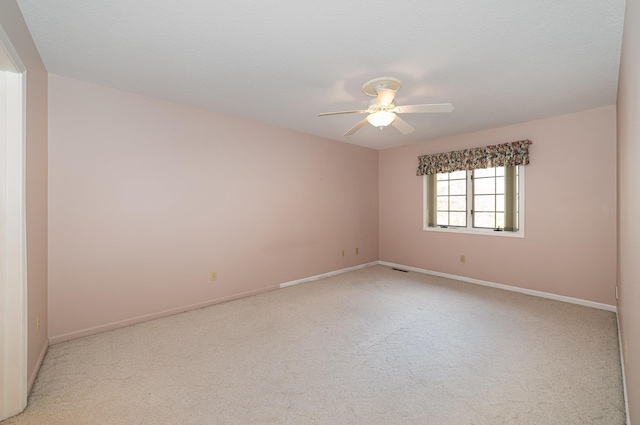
{"type": "Point", "coordinates": [381, 119]}
{"type": "Point", "coordinates": [382, 108]}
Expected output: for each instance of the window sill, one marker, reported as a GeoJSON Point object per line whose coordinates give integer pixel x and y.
{"type": "Point", "coordinates": [483, 232]}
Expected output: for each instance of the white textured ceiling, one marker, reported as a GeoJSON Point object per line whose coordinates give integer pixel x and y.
{"type": "Point", "coordinates": [284, 61]}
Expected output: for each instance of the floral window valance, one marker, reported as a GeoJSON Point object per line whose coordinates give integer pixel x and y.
{"type": "Point", "coordinates": [503, 155]}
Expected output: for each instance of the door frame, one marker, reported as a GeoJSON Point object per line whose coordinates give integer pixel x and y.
{"type": "Point", "coordinates": [13, 253]}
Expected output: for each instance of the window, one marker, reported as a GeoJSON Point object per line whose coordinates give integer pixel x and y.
{"type": "Point", "coordinates": [476, 190]}
{"type": "Point", "coordinates": [477, 201]}
{"type": "Point", "coordinates": [495, 198]}
{"type": "Point", "coordinates": [451, 199]}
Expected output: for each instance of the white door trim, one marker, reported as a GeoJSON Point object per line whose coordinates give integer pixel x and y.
{"type": "Point", "coordinates": [13, 257]}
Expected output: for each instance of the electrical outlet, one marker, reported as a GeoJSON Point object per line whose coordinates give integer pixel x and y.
{"type": "Point", "coordinates": [357, 250]}
{"type": "Point", "coordinates": [343, 252]}
{"type": "Point", "coordinates": [463, 259]}
{"type": "Point", "coordinates": [213, 276]}
{"type": "Point", "coordinates": [37, 322]}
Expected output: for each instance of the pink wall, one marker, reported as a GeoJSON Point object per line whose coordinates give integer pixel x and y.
{"type": "Point", "coordinates": [569, 247]}
{"type": "Point", "coordinates": [36, 180]}
{"type": "Point", "coordinates": [147, 197]}
{"type": "Point", "coordinates": [629, 204]}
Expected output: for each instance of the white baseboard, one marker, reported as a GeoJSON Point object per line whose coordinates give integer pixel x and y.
{"type": "Point", "coordinates": [34, 373]}
{"type": "Point", "coordinates": [624, 380]}
{"type": "Point", "coordinates": [145, 318]}
{"type": "Point", "coordinates": [541, 294]}
{"type": "Point", "coordinates": [329, 274]}
{"type": "Point", "coordinates": [135, 320]}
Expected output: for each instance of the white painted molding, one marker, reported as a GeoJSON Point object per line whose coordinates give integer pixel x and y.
{"type": "Point", "coordinates": [540, 294]}
{"type": "Point", "coordinates": [34, 373]}
{"type": "Point", "coordinates": [329, 274]}
{"type": "Point", "coordinates": [13, 251]}
{"type": "Point", "coordinates": [624, 379]}
{"type": "Point", "coordinates": [146, 317]}
{"type": "Point", "coordinates": [56, 339]}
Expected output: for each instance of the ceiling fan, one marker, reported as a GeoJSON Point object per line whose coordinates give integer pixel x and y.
{"type": "Point", "coordinates": [382, 110]}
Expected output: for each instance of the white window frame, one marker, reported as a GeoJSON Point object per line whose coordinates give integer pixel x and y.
{"type": "Point", "coordinates": [470, 230]}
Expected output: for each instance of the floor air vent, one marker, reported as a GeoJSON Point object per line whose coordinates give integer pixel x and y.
{"type": "Point", "coordinates": [399, 270]}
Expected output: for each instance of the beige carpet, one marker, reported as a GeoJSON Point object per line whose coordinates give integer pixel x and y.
{"type": "Point", "coordinates": [375, 346]}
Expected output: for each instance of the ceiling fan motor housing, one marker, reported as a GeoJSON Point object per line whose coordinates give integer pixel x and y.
{"type": "Point", "coordinates": [374, 106]}
{"type": "Point", "coordinates": [371, 87]}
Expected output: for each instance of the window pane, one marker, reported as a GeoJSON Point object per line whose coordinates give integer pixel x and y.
{"type": "Point", "coordinates": [500, 185]}
{"type": "Point", "coordinates": [484, 172]}
{"type": "Point", "coordinates": [500, 220]}
{"type": "Point", "coordinates": [484, 186]}
{"type": "Point", "coordinates": [458, 203]}
{"type": "Point", "coordinates": [458, 219]}
{"type": "Point", "coordinates": [443, 203]}
{"type": "Point", "coordinates": [462, 174]}
{"type": "Point", "coordinates": [443, 219]}
{"type": "Point", "coordinates": [484, 203]}
{"type": "Point", "coordinates": [458, 187]}
{"type": "Point", "coordinates": [443, 188]}
{"type": "Point", "coordinates": [499, 171]}
{"type": "Point", "coordinates": [484, 219]}
{"type": "Point", "coordinates": [500, 203]}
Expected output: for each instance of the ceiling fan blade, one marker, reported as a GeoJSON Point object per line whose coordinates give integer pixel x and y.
{"type": "Point", "coordinates": [431, 107]}
{"type": "Point", "coordinates": [359, 111]}
{"type": "Point", "coordinates": [356, 127]}
{"type": "Point", "coordinates": [385, 97]}
{"type": "Point", "coordinates": [402, 125]}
